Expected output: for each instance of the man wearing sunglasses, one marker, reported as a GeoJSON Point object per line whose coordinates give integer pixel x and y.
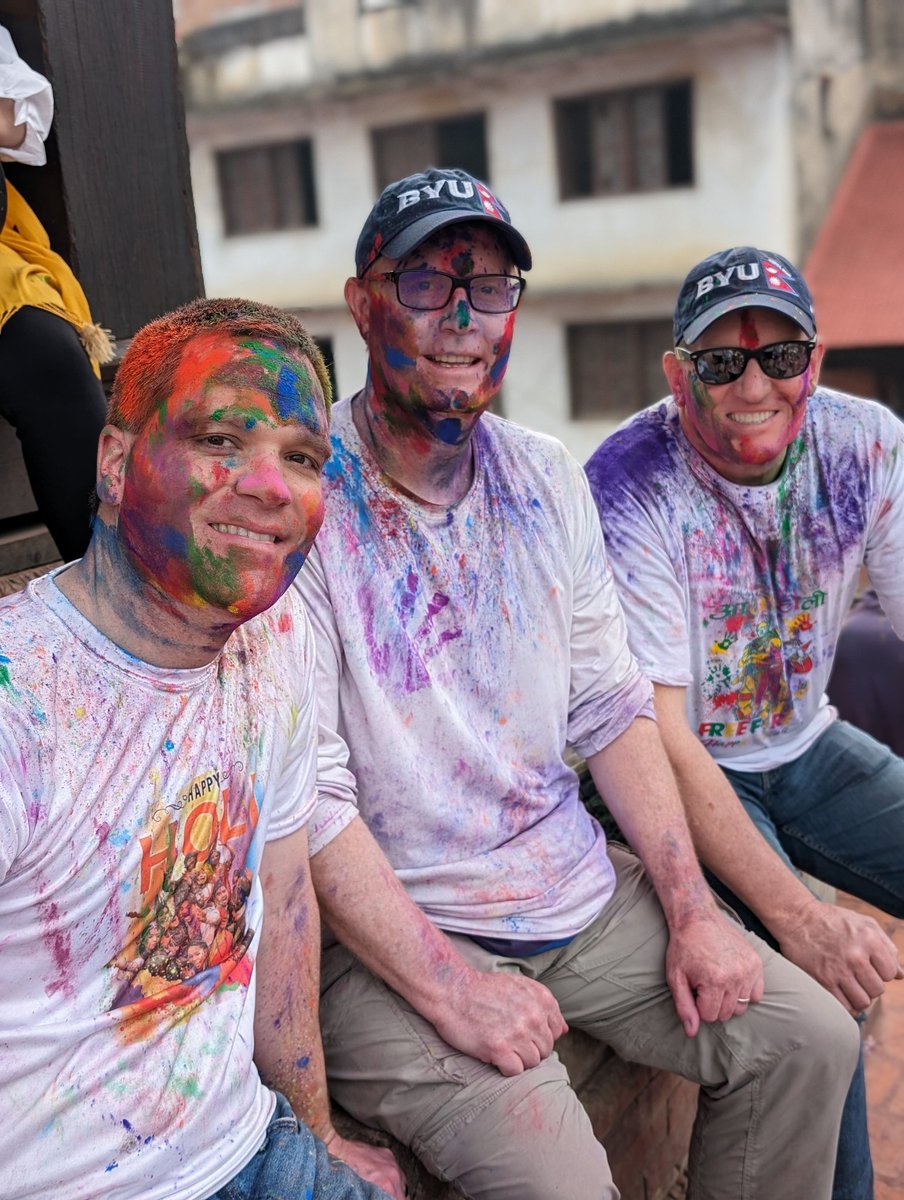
{"type": "Point", "coordinates": [737, 516]}
{"type": "Point", "coordinates": [467, 629]}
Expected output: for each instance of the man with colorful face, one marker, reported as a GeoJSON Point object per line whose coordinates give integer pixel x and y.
{"type": "Point", "coordinates": [738, 514]}
{"type": "Point", "coordinates": [157, 738]}
{"type": "Point", "coordinates": [467, 629]}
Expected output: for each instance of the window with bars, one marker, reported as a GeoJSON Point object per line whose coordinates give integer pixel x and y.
{"type": "Point", "coordinates": [266, 188]}
{"type": "Point", "coordinates": [615, 367]}
{"type": "Point", "coordinates": [637, 140]}
{"type": "Point", "coordinates": [460, 141]}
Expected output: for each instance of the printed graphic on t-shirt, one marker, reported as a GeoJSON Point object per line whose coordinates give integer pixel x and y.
{"type": "Point", "coordinates": [189, 932]}
{"type": "Point", "coordinates": [757, 665]}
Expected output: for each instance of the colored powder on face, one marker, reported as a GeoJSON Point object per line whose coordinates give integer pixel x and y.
{"type": "Point", "coordinates": [498, 368]}
{"type": "Point", "coordinates": [449, 430]}
{"type": "Point", "coordinates": [463, 263]}
{"type": "Point", "coordinates": [398, 359]}
{"type": "Point", "coordinates": [462, 314]}
{"type": "Point", "coordinates": [749, 337]}
{"type": "Point", "coordinates": [295, 395]}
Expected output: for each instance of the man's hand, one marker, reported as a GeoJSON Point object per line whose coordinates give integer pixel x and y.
{"type": "Point", "coordinates": [712, 971]}
{"type": "Point", "coordinates": [847, 952]}
{"type": "Point", "coordinates": [373, 1163]}
{"type": "Point", "coordinates": [501, 1018]}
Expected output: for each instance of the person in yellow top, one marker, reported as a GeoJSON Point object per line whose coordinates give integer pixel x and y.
{"type": "Point", "coordinates": [50, 347]}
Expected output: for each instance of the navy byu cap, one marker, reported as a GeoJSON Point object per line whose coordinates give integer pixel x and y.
{"type": "Point", "coordinates": [742, 277]}
{"type": "Point", "coordinates": [410, 210]}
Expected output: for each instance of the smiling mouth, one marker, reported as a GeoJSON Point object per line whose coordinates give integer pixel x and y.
{"type": "Point", "coordinates": [240, 531]}
{"type": "Point", "coordinates": [755, 418]}
{"type": "Point", "coordinates": [452, 360]}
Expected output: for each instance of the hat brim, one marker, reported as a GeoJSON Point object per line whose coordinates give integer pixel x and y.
{"type": "Point", "coordinates": [777, 303]}
{"type": "Point", "coordinates": [418, 231]}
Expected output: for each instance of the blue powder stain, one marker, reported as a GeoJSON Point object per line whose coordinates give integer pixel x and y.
{"type": "Point", "coordinates": [397, 358]}
{"type": "Point", "coordinates": [344, 468]}
{"type": "Point", "coordinates": [294, 401]}
{"type": "Point", "coordinates": [127, 1124]}
{"type": "Point", "coordinates": [302, 1062]}
{"type": "Point", "coordinates": [498, 368]}
{"type": "Point", "coordinates": [111, 1166]}
{"type": "Point", "coordinates": [119, 837]}
{"type": "Point", "coordinates": [169, 745]}
{"type": "Point", "coordinates": [462, 314]}
{"type": "Point", "coordinates": [449, 431]}
{"type": "Point", "coordinates": [535, 503]}
{"type": "Point", "coordinates": [250, 422]}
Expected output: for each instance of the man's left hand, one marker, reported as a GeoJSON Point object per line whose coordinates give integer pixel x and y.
{"type": "Point", "coordinates": [714, 974]}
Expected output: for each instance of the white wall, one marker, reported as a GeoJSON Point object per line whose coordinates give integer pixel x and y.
{"type": "Point", "coordinates": [616, 257]}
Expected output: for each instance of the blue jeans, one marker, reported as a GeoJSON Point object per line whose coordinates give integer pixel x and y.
{"type": "Point", "coordinates": [294, 1165]}
{"type": "Point", "coordinates": [836, 812]}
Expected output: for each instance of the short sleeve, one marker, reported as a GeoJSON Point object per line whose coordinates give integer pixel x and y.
{"type": "Point", "coordinates": [33, 98]}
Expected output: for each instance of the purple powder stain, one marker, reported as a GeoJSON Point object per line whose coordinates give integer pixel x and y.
{"type": "Point", "coordinates": [302, 1062]}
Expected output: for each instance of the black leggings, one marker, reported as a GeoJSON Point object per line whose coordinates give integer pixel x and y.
{"type": "Point", "coordinates": [55, 403]}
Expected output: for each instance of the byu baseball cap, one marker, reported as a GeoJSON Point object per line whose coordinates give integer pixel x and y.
{"type": "Point", "coordinates": [410, 210]}
{"type": "Point", "coordinates": [742, 277]}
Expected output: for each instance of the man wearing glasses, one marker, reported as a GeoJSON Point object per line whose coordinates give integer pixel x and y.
{"type": "Point", "coordinates": [737, 516]}
{"type": "Point", "coordinates": [467, 629]}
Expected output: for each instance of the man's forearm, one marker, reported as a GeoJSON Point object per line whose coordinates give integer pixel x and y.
{"type": "Point", "coordinates": [499, 1017]}
{"type": "Point", "coordinates": [393, 938]}
{"type": "Point", "coordinates": [287, 1046]}
{"type": "Point", "coordinates": [634, 777]}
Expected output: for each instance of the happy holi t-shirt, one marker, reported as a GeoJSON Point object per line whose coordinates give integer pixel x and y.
{"type": "Point", "coordinates": [134, 806]}
{"type": "Point", "coordinates": [458, 651]}
{"type": "Point", "coordinates": [738, 593]}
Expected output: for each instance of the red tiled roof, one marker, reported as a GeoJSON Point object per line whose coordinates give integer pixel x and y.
{"type": "Point", "coordinates": [856, 267]}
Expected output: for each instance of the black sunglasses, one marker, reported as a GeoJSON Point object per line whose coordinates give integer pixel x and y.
{"type": "Point", "coordinates": [725, 364]}
{"type": "Point", "coordinates": [429, 290]}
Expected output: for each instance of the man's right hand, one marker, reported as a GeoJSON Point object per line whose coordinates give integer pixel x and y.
{"type": "Point", "coordinates": [501, 1018]}
{"type": "Point", "coordinates": [847, 952]}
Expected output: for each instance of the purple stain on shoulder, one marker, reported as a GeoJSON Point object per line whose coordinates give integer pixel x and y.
{"type": "Point", "coordinates": [303, 1061]}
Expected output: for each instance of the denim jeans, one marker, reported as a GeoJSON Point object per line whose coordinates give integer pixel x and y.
{"type": "Point", "coordinates": [294, 1165]}
{"type": "Point", "coordinates": [836, 812]}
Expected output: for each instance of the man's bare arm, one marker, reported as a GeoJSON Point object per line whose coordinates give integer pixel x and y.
{"type": "Point", "coordinates": [501, 1018]}
{"type": "Point", "coordinates": [846, 952]}
{"type": "Point", "coordinates": [711, 970]}
{"type": "Point", "coordinates": [287, 1046]}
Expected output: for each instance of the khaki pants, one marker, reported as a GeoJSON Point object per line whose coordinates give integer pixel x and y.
{"type": "Point", "coordinates": [773, 1082]}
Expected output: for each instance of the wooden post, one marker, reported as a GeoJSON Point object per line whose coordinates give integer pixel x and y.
{"type": "Point", "coordinates": [115, 196]}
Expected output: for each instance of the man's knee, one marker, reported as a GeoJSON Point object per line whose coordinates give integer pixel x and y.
{"type": "Point", "coordinates": [534, 1141]}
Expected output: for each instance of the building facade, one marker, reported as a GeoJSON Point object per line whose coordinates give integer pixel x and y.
{"type": "Point", "coordinates": [629, 138]}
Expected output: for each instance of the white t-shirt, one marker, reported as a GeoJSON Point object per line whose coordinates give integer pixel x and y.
{"type": "Point", "coordinates": [134, 805]}
{"type": "Point", "coordinates": [33, 105]}
{"type": "Point", "coordinates": [738, 593]}
{"type": "Point", "coordinates": [458, 650]}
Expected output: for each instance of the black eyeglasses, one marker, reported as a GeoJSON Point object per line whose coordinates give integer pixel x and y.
{"type": "Point", "coordinates": [429, 290]}
{"type": "Point", "coordinates": [780, 360]}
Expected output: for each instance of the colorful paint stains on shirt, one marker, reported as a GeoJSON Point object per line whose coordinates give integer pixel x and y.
{"type": "Point", "coordinates": [739, 592]}
{"type": "Point", "coordinates": [134, 805]}
{"type": "Point", "coordinates": [458, 651]}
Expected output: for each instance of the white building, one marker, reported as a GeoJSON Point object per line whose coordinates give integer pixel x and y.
{"type": "Point", "coordinates": [629, 138]}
